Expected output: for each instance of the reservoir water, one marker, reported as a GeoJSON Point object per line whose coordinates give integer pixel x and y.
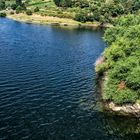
{"type": "Point", "coordinates": [48, 88]}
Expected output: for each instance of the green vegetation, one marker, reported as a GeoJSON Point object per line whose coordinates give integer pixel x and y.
{"type": "Point", "coordinates": [29, 12]}
{"type": "Point", "coordinates": [36, 9]}
{"type": "Point", "coordinates": [20, 9]}
{"type": "Point", "coordinates": [103, 11]}
{"type": "Point", "coordinates": [122, 61]}
{"type": "Point", "coordinates": [2, 14]}
{"type": "Point", "coordinates": [2, 5]}
{"type": "Point", "coordinates": [99, 10]}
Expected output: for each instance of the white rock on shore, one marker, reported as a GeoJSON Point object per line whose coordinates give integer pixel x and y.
{"type": "Point", "coordinates": [133, 109]}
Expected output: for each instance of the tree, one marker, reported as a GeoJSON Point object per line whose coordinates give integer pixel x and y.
{"type": "Point", "coordinates": [2, 5]}
{"type": "Point", "coordinates": [63, 3]}
{"type": "Point", "coordinates": [19, 2]}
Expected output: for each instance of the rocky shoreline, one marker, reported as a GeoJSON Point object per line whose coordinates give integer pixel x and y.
{"type": "Point", "coordinates": [109, 106]}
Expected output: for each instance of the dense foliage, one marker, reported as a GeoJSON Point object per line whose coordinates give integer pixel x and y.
{"type": "Point", "coordinates": [18, 2]}
{"type": "Point", "coordinates": [16, 5]}
{"type": "Point", "coordinates": [2, 14]}
{"type": "Point", "coordinates": [122, 61]}
{"type": "Point", "coordinates": [100, 10]}
{"type": "Point", "coordinates": [63, 3]}
{"type": "Point", "coordinates": [2, 5]}
{"type": "Point", "coordinates": [103, 11]}
{"type": "Point", "coordinates": [29, 12]}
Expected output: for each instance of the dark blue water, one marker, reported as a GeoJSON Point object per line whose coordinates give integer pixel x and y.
{"type": "Point", "coordinates": [48, 87]}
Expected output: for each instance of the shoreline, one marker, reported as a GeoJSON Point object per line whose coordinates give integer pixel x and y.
{"type": "Point", "coordinates": [55, 21]}
{"type": "Point", "coordinates": [125, 109]}
{"type": "Point", "coordinates": [107, 106]}
{"type": "Point", "coordinates": [132, 110]}
{"type": "Point", "coordinates": [129, 109]}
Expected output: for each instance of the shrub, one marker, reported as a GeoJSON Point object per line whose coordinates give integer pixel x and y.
{"type": "Point", "coordinates": [20, 9]}
{"type": "Point", "coordinates": [11, 12]}
{"type": "Point", "coordinates": [133, 79]}
{"type": "Point", "coordinates": [63, 3]}
{"type": "Point", "coordinates": [126, 21]}
{"type": "Point", "coordinates": [36, 9]}
{"type": "Point", "coordinates": [13, 6]}
{"type": "Point", "coordinates": [119, 95]}
{"type": "Point", "coordinates": [29, 12]}
{"type": "Point", "coordinates": [81, 16]}
{"type": "Point", "coordinates": [100, 69]}
{"type": "Point", "coordinates": [125, 96]}
{"type": "Point", "coordinates": [2, 14]}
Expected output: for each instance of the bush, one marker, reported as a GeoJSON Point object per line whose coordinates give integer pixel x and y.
{"type": "Point", "coordinates": [29, 12]}
{"type": "Point", "coordinates": [20, 9]}
{"type": "Point", "coordinates": [36, 9]}
{"type": "Point", "coordinates": [13, 6]}
{"type": "Point", "coordinates": [126, 21]}
{"type": "Point", "coordinates": [2, 14]}
{"type": "Point", "coordinates": [63, 3]}
{"type": "Point", "coordinates": [133, 79]}
{"type": "Point", "coordinates": [11, 12]}
{"type": "Point", "coordinates": [118, 92]}
{"type": "Point", "coordinates": [100, 69]}
{"type": "Point", "coordinates": [125, 96]}
{"type": "Point", "coordinates": [81, 16]}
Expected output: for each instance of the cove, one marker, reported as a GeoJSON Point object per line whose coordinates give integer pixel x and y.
{"type": "Point", "coordinates": [48, 86]}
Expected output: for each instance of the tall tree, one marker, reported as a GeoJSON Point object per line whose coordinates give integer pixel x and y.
{"type": "Point", "coordinates": [2, 5]}
{"type": "Point", "coordinates": [18, 2]}
{"type": "Point", "coordinates": [63, 3]}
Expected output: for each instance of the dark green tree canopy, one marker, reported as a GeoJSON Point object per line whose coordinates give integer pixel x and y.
{"type": "Point", "coordinates": [2, 5]}
{"type": "Point", "coordinates": [18, 2]}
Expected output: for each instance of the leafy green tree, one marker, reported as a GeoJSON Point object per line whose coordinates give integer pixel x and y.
{"type": "Point", "coordinates": [2, 5]}
{"type": "Point", "coordinates": [19, 2]}
{"type": "Point", "coordinates": [81, 16]}
{"type": "Point", "coordinates": [63, 3]}
{"type": "Point", "coordinates": [29, 12]}
{"type": "Point", "coordinates": [3, 14]}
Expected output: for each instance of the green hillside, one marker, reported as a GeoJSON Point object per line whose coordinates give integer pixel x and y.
{"type": "Point", "coordinates": [103, 11]}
